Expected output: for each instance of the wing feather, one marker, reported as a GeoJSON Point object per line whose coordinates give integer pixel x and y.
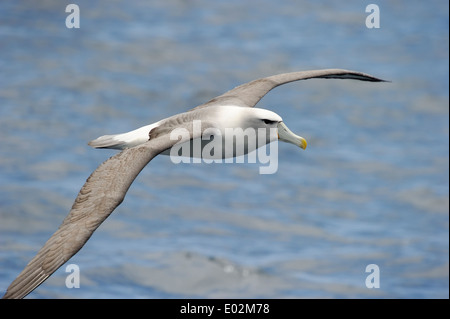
{"type": "Point", "coordinates": [103, 191]}
{"type": "Point", "coordinates": [249, 94]}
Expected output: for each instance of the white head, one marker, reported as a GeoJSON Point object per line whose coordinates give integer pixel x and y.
{"type": "Point", "coordinates": [257, 118]}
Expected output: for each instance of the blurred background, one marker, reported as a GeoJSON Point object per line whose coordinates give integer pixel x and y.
{"type": "Point", "coordinates": [371, 188]}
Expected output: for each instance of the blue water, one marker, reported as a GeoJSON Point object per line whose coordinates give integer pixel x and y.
{"type": "Point", "coordinates": [371, 188]}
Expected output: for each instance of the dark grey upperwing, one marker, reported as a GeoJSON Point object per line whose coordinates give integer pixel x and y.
{"type": "Point", "coordinates": [250, 93]}
{"type": "Point", "coordinates": [103, 191]}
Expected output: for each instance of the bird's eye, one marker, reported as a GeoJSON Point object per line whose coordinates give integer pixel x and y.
{"type": "Point", "coordinates": [268, 122]}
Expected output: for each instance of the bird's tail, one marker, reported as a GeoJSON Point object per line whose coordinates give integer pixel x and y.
{"type": "Point", "coordinates": [124, 140]}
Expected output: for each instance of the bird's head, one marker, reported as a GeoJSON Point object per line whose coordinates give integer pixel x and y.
{"type": "Point", "coordinates": [268, 119]}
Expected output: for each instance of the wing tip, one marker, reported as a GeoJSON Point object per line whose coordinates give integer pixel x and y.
{"type": "Point", "coordinates": [355, 75]}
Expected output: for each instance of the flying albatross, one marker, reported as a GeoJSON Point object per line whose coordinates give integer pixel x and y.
{"type": "Point", "coordinates": [106, 187]}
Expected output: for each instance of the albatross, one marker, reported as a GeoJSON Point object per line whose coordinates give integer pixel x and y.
{"type": "Point", "coordinates": [106, 187]}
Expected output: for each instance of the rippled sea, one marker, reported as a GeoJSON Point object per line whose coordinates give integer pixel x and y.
{"type": "Point", "coordinates": [371, 188]}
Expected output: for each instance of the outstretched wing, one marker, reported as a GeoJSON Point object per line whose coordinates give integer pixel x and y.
{"type": "Point", "coordinates": [103, 191]}
{"type": "Point", "coordinates": [250, 93]}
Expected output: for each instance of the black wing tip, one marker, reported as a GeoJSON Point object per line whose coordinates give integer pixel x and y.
{"type": "Point", "coordinates": [370, 78]}
{"type": "Point", "coordinates": [374, 79]}
{"type": "Point", "coordinates": [378, 80]}
{"type": "Point", "coordinates": [356, 76]}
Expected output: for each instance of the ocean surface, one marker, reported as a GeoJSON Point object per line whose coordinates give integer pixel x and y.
{"type": "Point", "coordinates": [371, 188]}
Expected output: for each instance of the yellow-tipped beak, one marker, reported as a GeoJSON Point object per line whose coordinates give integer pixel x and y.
{"type": "Point", "coordinates": [303, 143]}
{"type": "Point", "coordinates": [285, 135]}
